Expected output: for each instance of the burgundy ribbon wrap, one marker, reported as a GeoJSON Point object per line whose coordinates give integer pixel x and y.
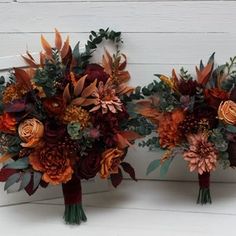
{"type": "Point", "coordinates": [204, 180]}
{"type": "Point", "coordinates": [72, 191]}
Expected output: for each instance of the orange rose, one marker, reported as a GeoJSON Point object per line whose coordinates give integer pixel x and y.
{"type": "Point", "coordinates": [54, 162]}
{"type": "Point", "coordinates": [227, 112]}
{"type": "Point", "coordinates": [7, 123]}
{"type": "Point", "coordinates": [111, 160]}
{"type": "Point", "coordinates": [31, 131]}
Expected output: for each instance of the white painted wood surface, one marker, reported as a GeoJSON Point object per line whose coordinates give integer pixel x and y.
{"type": "Point", "coordinates": [135, 209]}
{"type": "Point", "coordinates": [158, 35]}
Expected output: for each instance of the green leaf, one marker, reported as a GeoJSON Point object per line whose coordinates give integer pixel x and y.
{"type": "Point", "coordinates": [231, 128]}
{"type": "Point", "coordinates": [76, 52]}
{"type": "Point", "coordinates": [12, 180]}
{"type": "Point", "coordinates": [19, 164]}
{"type": "Point", "coordinates": [165, 166]}
{"type": "Point", "coordinates": [94, 33]}
{"type": "Point", "coordinates": [25, 180]}
{"type": "Point", "coordinates": [37, 179]}
{"type": "Point", "coordinates": [153, 166]}
{"type": "Point", "coordinates": [211, 59]}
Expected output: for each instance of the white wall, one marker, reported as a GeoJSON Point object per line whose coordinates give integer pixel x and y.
{"type": "Point", "coordinates": [158, 35]}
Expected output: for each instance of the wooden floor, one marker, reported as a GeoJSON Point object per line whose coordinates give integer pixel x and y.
{"type": "Point", "coordinates": [142, 208]}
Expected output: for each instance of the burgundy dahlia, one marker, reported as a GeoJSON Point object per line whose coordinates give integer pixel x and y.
{"type": "Point", "coordinates": [187, 87]}
{"type": "Point", "coordinates": [95, 71]}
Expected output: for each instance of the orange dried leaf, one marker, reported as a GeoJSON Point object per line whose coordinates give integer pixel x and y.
{"type": "Point", "coordinates": [23, 78]}
{"type": "Point", "coordinates": [66, 94]}
{"type": "Point", "coordinates": [42, 59]}
{"type": "Point", "coordinates": [203, 76]}
{"type": "Point", "coordinates": [79, 86]}
{"type": "Point", "coordinates": [124, 63]}
{"type": "Point", "coordinates": [65, 48]}
{"type": "Point", "coordinates": [90, 89]}
{"type": "Point", "coordinates": [46, 46]}
{"type": "Point", "coordinates": [29, 61]}
{"type": "Point", "coordinates": [78, 101]}
{"type": "Point", "coordinates": [58, 40]}
{"type": "Point", "coordinates": [89, 101]}
{"type": "Point", "coordinates": [122, 142]}
{"type": "Point", "coordinates": [29, 55]}
{"type": "Point", "coordinates": [130, 135]}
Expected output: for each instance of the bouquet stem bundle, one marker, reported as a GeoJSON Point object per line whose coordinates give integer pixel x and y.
{"type": "Point", "coordinates": [204, 195]}
{"type": "Point", "coordinates": [74, 213]}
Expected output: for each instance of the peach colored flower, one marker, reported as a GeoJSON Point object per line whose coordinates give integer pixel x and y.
{"type": "Point", "coordinates": [30, 131]}
{"type": "Point", "coordinates": [110, 162]}
{"type": "Point", "coordinates": [107, 99]}
{"type": "Point", "coordinates": [227, 112]}
{"type": "Point", "coordinates": [201, 155]}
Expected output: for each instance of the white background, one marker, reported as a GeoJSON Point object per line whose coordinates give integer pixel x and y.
{"type": "Point", "coordinates": [158, 36]}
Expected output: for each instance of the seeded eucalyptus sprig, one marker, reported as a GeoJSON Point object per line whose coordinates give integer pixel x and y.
{"type": "Point", "coordinates": [95, 38]}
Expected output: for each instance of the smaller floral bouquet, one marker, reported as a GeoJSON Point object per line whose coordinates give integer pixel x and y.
{"type": "Point", "coordinates": [195, 117]}
{"type": "Point", "coordinates": [64, 119]}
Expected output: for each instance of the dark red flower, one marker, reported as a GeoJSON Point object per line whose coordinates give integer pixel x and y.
{"type": "Point", "coordinates": [109, 125]}
{"type": "Point", "coordinates": [187, 87]}
{"type": "Point", "coordinates": [208, 114]}
{"type": "Point", "coordinates": [215, 96]}
{"type": "Point", "coordinates": [89, 165]}
{"type": "Point", "coordinates": [54, 132]}
{"type": "Point", "coordinates": [95, 71]}
{"type": "Point", "coordinates": [54, 105]}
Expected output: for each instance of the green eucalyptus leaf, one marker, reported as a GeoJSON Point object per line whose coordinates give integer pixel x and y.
{"type": "Point", "coordinates": [231, 128]}
{"type": "Point", "coordinates": [37, 178]}
{"type": "Point", "coordinates": [12, 180]}
{"type": "Point", "coordinates": [153, 166]}
{"type": "Point", "coordinates": [22, 163]}
{"type": "Point", "coordinates": [25, 180]}
{"type": "Point", "coordinates": [165, 166]}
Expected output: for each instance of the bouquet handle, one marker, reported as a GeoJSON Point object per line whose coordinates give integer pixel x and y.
{"type": "Point", "coordinates": [74, 213]}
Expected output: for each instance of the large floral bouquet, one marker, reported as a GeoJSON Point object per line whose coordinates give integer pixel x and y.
{"type": "Point", "coordinates": [64, 119]}
{"type": "Point", "coordinates": [195, 117]}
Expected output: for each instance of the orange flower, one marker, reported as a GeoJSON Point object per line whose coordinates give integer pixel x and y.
{"type": "Point", "coordinates": [107, 99]}
{"type": "Point", "coordinates": [227, 112]}
{"type": "Point", "coordinates": [7, 123]}
{"type": "Point", "coordinates": [53, 161]}
{"type": "Point", "coordinates": [215, 96]}
{"type": "Point", "coordinates": [111, 160]}
{"type": "Point", "coordinates": [201, 155]}
{"type": "Point", "coordinates": [31, 131]}
{"type": "Point", "coordinates": [168, 128]}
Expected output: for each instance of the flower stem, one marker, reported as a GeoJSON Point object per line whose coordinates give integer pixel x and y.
{"type": "Point", "coordinates": [204, 195]}
{"type": "Point", "coordinates": [74, 214]}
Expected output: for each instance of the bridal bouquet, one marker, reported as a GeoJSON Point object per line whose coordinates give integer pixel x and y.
{"type": "Point", "coordinates": [64, 119]}
{"type": "Point", "coordinates": [195, 117]}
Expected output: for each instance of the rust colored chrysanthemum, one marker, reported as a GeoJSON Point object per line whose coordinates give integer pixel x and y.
{"type": "Point", "coordinates": [13, 92]}
{"type": "Point", "coordinates": [201, 155]}
{"type": "Point", "coordinates": [54, 162]}
{"type": "Point", "coordinates": [168, 131]}
{"type": "Point", "coordinates": [107, 99]}
{"type": "Point", "coordinates": [76, 114]}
